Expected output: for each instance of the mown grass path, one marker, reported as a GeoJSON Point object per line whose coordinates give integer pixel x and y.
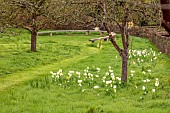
{"type": "Point", "coordinates": [22, 76]}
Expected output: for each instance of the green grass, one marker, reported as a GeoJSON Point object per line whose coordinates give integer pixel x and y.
{"type": "Point", "coordinates": [26, 84]}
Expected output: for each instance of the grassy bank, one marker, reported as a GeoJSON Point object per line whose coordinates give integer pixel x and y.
{"type": "Point", "coordinates": [26, 84]}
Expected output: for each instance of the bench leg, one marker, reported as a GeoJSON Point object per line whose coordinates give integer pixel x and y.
{"type": "Point", "coordinates": [51, 34]}
{"type": "Point", "coordinates": [87, 32]}
{"type": "Point", "coordinates": [105, 40]}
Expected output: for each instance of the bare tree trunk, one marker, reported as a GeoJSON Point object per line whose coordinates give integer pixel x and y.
{"type": "Point", "coordinates": [125, 66]}
{"type": "Point", "coordinates": [165, 6]}
{"type": "Point", "coordinates": [125, 52]}
{"type": "Point", "coordinates": [33, 40]}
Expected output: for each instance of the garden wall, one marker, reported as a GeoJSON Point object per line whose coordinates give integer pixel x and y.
{"type": "Point", "coordinates": [158, 37]}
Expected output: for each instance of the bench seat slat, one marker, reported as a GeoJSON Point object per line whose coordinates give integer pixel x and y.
{"type": "Point", "coordinates": [100, 38]}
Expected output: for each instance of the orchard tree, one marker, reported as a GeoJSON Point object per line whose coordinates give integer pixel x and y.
{"type": "Point", "coordinates": [107, 13]}
{"type": "Point", "coordinates": [165, 6]}
{"type": "Point", "coordinates": [33, 15]}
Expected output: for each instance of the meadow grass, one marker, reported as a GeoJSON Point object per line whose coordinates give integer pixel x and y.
{"type": "Point", "coordinates": [26, 84]}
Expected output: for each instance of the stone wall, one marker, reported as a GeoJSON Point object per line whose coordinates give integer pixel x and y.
{"type": "Point", "coordinates": [159, 37]}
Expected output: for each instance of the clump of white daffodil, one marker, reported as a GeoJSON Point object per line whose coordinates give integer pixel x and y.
{"type": "Point", "coordinates": [94, 78]}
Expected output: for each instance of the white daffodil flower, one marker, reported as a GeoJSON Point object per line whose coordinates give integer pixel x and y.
{"type": "Point", "coordinates": [108, 82]}
{"type": "Point", "coordinates": [71, 72]}
{"type": "Point", "coordinates": [83, 90]}
{"type": "Point", "coordinates": [79, 81]}
{"type": "Point", "coordinates": [149, 71]}
{"type": "Point", "coordinates": [60, 70]}
{"type": "Point", "coordinates": [145, 93]}
{"type": "Point", "coordinates": [156, 83]}
{"type": "Point", "coordinates": [51, 72]}
{"type": "Point", "coordinates": [80, 84]}
{"type": "Point", "coordinates": [115, 90]}
{"type": "Point", "coordinates": [111, 74]}
{"type": "Point", "coordinates": [155, 58]}
{"type": "Point", "coordinates": [144, 81]}
{"type": "Point", "coordinates": [92, 78]}
{"type": "Point", "coordinates": [78, 73]}
{"type": "Point", "coordinates": [143, 72]}
{"type": "Point", "coordinates": [153, 90]}
{"type": "Point", "coordinates": [96, 87]}
{"type": "Point", "coordinates": [107, 73]}
{"type": "Point", "coordinates": [97, 76]}
{"type": "Point", "coordinates": [143, 88]}
{"type": "Point", "coordinates": [113, 77]}
{"type": "Point", "coordinates": [57, 76]}
{"type": "Point", "coordinates": [157, 79]}
{"type": "Point", "coordinates": [98, 69]}
{"type": "Point", "coordinates": [132, 71]}
{"type": "Point", "coordinates": [118, 78]}
{"type": "Point", "coordinates": [58, 73]}
{"type": "Point", "coordinates": [147, 80]}
{"type": "Point", "coordinates": [111, 71]}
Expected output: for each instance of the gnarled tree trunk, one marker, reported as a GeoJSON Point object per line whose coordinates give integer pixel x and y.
{"type": "Point", "coordinates": [165, 6]}
{"type": "Point", "coordinates": [33, 40]}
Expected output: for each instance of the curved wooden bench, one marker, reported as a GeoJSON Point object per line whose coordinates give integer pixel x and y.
{"type": "Point", "coordinates": [55, 31]}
